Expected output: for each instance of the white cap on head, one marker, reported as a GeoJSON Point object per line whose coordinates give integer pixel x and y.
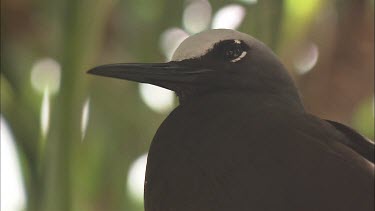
{"type": "Point", "coordinates": [199, 44]}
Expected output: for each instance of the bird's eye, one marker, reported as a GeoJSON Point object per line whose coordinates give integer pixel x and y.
{"type": "Point", "coordinates": [231, 50]}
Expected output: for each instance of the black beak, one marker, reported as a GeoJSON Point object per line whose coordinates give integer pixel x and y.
{"type": "Point", "coordinates": [170, 75]}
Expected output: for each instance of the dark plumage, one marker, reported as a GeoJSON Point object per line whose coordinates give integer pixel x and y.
{"type": "Point", "coordinates": [240, 138]}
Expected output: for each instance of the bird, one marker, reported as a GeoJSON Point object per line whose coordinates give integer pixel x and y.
{"type": "Point", "coordinates": [241, 139]}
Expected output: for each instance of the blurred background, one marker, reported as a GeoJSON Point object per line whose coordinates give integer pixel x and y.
{"type": "Point", "coordinates": [71, 141]}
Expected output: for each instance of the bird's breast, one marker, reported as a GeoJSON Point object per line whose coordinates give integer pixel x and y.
{"type": "Point", "coordinates": [205, 150]}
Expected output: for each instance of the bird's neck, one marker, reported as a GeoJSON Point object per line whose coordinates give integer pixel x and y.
{"type": "Point", "coordinates": [283, 98]}
{"type": "Point", "coordinates": [276, 99]}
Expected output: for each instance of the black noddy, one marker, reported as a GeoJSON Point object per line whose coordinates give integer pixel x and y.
{"type": "Point", "coordinates": [241, 139]}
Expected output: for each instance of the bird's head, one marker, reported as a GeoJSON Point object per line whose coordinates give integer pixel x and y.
{"type": "Point", "coordinates": [211, 61]}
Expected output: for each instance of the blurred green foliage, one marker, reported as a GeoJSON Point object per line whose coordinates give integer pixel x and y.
{"type": "Point", "coordinates": [62, 172]}
{"type": "Point", "coordinates": [363, 120]}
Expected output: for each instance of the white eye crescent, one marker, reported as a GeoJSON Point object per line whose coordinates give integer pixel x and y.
{"type": "Point", "coordinates": [243, 54]}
